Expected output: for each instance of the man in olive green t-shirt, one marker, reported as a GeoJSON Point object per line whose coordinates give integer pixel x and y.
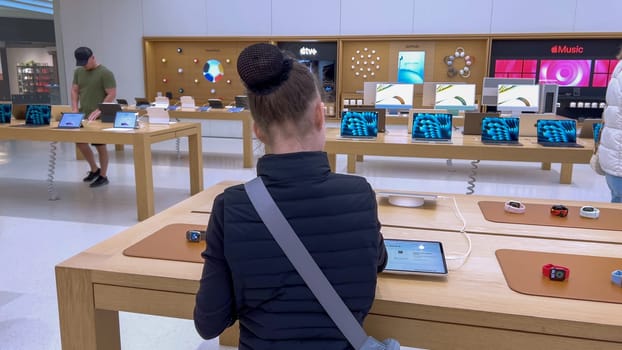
{"type": "Point", "coordinates": [92, 84]}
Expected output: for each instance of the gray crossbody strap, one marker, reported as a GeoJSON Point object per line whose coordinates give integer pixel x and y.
{"type": "Point", "coordinates": [299, 256]}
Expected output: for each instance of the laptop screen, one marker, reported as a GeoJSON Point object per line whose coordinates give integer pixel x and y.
{"type": "Point", "coordinates": [38, 114]}
{"type": "Point", "coordinates": [125, 120]}
{"type": "Point", "coordinates": [596, 131]}
{"type": "Point", "coordinates": [500, 129]}
{"type": "Point", "coordinates": [564, 131]}
{"type": "Point", "coordinates": [5, 112]}
{"type": "Point", "coordinates": [71, 120]}
{"type": "Point", "coordinates": [431, 126]}
{"type": "Point", "coordinates": [359, 124]}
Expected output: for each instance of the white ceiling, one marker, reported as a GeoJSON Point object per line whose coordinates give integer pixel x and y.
{"type": "Point", "coordinates": [37, 9]}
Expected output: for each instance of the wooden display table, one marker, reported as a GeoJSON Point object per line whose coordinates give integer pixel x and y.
{"type": "Point", "coordinates": [141, 140]}
{"type": "Point", "coordinates": [473, 305]}
{"type": "Point", "coordinates": [221, 114]}
{"type": "Point", "coordinates": [398, 144]}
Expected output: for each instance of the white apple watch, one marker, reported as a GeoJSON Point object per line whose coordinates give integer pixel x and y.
{"type": "Point", "coordinates": [514, 207]}
{"type": "Point", "coordinates": [589, 212]}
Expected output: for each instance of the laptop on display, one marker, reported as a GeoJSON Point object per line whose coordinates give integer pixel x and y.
{"type": "Point", "coordinates": [415, 257]}
{"type": "Point", "coordinates": [37, 116]}
{"type": "Point", "coordinates": [124, 121]}
{"type": "Point", "coordinates": [71, 121]}
{"type": "Point", "coordinates": [359, 125]}
{"type": "Point", "coordinates": [596, 127]}
{"type": "Point", "coordinates": [557, 133]}
{"type": "Point", "coordinates": [5, 113]}
{"type": "Point", "coordinates": [108, 111]}
{"type": "Point", "coordinates": [431, 127]}
{"type": "Point", "coordinates": [473, 122]}
{"type": "Point", "coordinates": [382, 114]}
{"type": "Point", "coordinates": [587, 130]}
{"type": "Point", "coordinates": [528, 123]}
{"type": "Point", "coordinates": [500, 131]}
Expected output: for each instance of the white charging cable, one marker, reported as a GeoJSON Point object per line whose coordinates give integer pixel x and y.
{"type": "Point", "coordinates": [464, 256]}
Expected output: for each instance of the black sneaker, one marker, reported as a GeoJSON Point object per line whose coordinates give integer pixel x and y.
{"type": "Point", "coordinates": [100, 181]}
{"type": "Point", "coordinates": [92, 175]}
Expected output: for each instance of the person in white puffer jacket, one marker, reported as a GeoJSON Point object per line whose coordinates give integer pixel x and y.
{"type": "Point", "coordinates": [610, 147]}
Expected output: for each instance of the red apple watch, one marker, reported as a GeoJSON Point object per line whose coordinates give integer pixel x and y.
{"type": "Point", "coordinates": [559, 210]}
{"type": "Point", "coordinates": [555, 272]}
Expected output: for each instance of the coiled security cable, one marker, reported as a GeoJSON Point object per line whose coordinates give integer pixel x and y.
{"type": "Point", "coordinates": [472, 177]}
{"type": "Point", "coordinates": [53, 195]}
{"type": "Point", "coordinates": [177, 143]}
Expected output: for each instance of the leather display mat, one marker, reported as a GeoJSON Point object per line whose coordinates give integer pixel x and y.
{"type": "Point", "coordinates": [590, 276]}
{"type": "Point", "coordinates": [169, 243]}
{"type": "Point", "coordinates": [539, 214]}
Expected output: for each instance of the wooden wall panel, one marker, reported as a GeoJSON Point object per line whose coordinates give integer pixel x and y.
{"type": "Point", "coordinates": [191, 78]}
{"type": "Point", "coordinates": [388, 51]}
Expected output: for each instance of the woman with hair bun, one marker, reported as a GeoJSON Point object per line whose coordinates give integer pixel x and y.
{"type": "Point", "coordinates": [246, 275]}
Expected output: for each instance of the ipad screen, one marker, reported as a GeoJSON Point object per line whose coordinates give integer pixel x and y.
{"type": "Point", "coordinates": [415, 257]}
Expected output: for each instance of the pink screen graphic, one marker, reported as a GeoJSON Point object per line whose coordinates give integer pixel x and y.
{"type": "Point", "coordinates": [515, 68]}
{"type": "Point", "coordinates": [602, 72]}
{"type": "Point", "coordinates": [565, 72]}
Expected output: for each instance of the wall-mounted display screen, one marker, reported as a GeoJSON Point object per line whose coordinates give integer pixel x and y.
{"type": "Point", "coordinates": [602, 72]}
{"type": "Point", "coordinates": [580, 67]}
{"type": "Point", "coordinates": [565, 72]}
{"type": "Point", "coordinates": [516, 68]}
{"type": "Point", "coordinates": [410, 67]}
{"type": "Point", "coordinates": [394, 96]}
{"type": "Point", "coordinates": [455, 97]}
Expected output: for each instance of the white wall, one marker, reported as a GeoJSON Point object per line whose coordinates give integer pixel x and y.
{"type": "Point", "coordinates": [114, 28]}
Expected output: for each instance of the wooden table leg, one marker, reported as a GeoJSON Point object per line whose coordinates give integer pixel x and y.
{"type": "Point", "coordinates": [79, 155]}
{"type": "Point", "coordinates": [565, 175]}
{"type": "Point", "coordinates": [81, 325]}
{"type": "Point", "coordinates": [143, 174]}
{"type": "Point", "coordinates": [195, 155]}
{"type": "Point", "coordinates": [231, 336]}
{"type": "Point", "coordinates": [332, 161]}
{"type": "Point", "coordinates": [247, 143]}
{"type": "Point", "coordinates": [119, 148]}
{"type": "Point", "coordinates": [546, 166]}
{"type": "Point", "coordinates": [352, 163]}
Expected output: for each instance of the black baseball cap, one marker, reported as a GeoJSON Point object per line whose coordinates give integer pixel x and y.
{"type": "Point", "coordinates": [82, 55]}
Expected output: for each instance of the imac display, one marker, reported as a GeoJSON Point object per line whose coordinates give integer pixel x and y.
{"type": "Point", "coordinates": [490, 87]}
{"type": "Point", "coordinates": [394, 97]}
{"type": "Point", "coordinates": [517, 98]}
{"type": "Point", "coordinates": [410, 67]}
{"type": "Point", "coordinates": [455, 97]}
{"type": "Point", "coordinates": [565, 72]}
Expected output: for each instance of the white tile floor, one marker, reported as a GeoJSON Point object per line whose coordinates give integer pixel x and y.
{"type": "Point", "coordinates": [36, 234]}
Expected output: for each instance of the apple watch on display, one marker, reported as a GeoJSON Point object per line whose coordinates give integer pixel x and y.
{"type": "Point", "coordinates": [515, 207]}
{"type": "Point", "coordinates": [559, 210]}
{"type": "Point", "coordinates": [616, 277]}
{"type": "Point", "coordinates": [195, 236]}
{"type": "Point", "coordinates": [555, 272]}
{"type": "Point", "coordinates": [589, 211]}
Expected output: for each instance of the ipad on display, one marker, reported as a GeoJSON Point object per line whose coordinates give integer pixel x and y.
{"type": "Point", "coordinates": [415, 257]}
